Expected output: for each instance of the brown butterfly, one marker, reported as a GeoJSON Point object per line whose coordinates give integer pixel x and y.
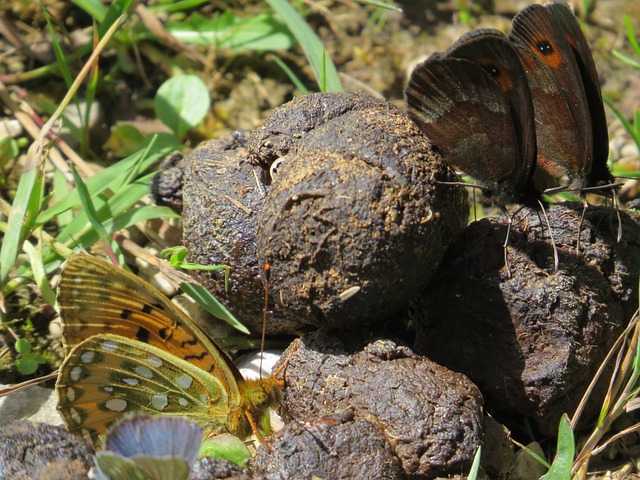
{"type": "Point", "coordinates": [571, 125]}
{"type": "Point", "coordinates": [473, 103]}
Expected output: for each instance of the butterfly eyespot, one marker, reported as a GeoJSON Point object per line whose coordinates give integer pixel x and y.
{"type": "Point", "coordinates": [492, 70]}
{"type": "Point", "coordinates": [544, 47]}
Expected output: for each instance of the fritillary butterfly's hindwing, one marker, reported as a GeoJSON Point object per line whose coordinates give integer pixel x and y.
{"type": "Point", "coordinates": [116, 370]}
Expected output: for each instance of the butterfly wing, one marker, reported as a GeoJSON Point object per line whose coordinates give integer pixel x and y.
{"type": "Point", "coordinates": [97, 297]}
{"type": "Point", "coordinates": [483, 125]}
{"type": "Point", "coordinates": [155, 436]}
{"type": "Point", "coordinates": [107, 376]}
{"type": "Point", "coordinates": [563, 16]}
{"type": "Point", "coordinates": [563, 109]}
{"type": "Point", "coordinates": [492, 50]}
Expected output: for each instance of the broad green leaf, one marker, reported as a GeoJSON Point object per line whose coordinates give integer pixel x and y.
{"type": "Point", "coordinates": [182, 102]}
{"type": "Point", "coordinates": [259, 32]}
{"type": "Point", "coordinates": [22, 346]}
{"type": "Point", "coordinates": [27, 365]}
{"type": "Point", "coordinates": [561, 466]}
{"type": "Point", "coordinates": [226, 447]}
{"type": "Point", "coordinates": [124, 140]}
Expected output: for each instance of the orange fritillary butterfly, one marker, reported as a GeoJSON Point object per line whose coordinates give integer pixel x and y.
{"type": "Point", "coordinates": [129, 349]}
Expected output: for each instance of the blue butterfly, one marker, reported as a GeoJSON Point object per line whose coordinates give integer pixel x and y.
{"type": "Point", "coordinates": [143, 447]}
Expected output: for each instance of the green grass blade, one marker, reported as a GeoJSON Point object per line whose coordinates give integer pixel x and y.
{"type": "Point", "coordinates": [212, 305]}
{"type": "Point", "coordinates": [113, 178]}
{"type": "Point", "coordinates": [124, 220]}
{"type": "Point", "coordinates": [312, 46]}
{"type": "Point", "coordinates": [292, 76]}
{"type": "Point", "coordinates": [57, 50]}
{"type": "Point", "coordinates": [116, 10]}
{"type": "Point", "coordinates": [475, 466]}
{"type": "Point", "coordinates": [26, 205]}
{"type": "Point", "coordinates": [94, 8]}
{"type": "Point", "coordinates": [382, 5]}
{"type": "Point", "coordinates": [39, 273]}
{"type": "Point", "coordinates": [92, 215]}
{"type": "Point", "coordinates": [631, 35]}
{"type": "Point", "coordinates": [633, 131]}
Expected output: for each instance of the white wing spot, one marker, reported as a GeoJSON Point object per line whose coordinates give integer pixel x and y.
{"type": "Point", "coordinates": [116, 404]}
{"type": "Point", "coordinates": [71, 394]}
{"type": "Point", "coordinates": [75, 416]}
{"type": "Point", "coordinates": [159, 401]}
{"type": "Point", "coordinates": [143, 371]}
{"type": "Point", "coordinates": [110, 346]}
{"type": "Point", "coordinates": [131, 381]}
{"type": "Point", "coordinates": [107, 389]}
{"type": "Point", "coordinates": [184, 381]}
{"type": "Point", "coordinates": [75, 374]}
{"type": "Point", "coordinates": [183, 402]}
{"type": "Point", "coordinates": [88, 357]}
{"type": "Point", "coordinates": [155, 361]}
{"type": "Point", "coordinates": [203, 398]}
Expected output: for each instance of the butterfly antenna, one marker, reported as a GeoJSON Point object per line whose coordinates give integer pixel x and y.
{"type": "Point", "coordinates": [556, 259]}
{"type": "Point", "coordinates": [267, 276]}
{"type": "Point", "coordinates": [284, 364]}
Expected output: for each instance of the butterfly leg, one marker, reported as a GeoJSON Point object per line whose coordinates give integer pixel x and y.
{"type": "Point", "coordinates": [585, 205]}
{"type": "Point", "coordinates": [256, 431]}
{"type": "Point", "coordinates": [556, 259]}
{"type": "Point", "coordinates": [616, 206]}
{"type": "Point", "coordinates": [506, 243]}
